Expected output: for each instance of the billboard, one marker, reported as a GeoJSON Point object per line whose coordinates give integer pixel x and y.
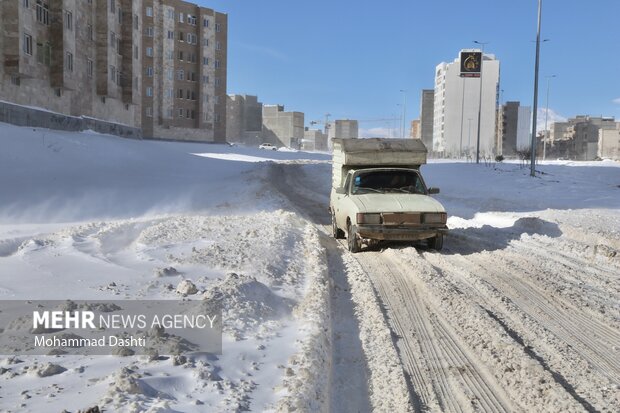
{"type": "Point", "coordinates": [471, 64]}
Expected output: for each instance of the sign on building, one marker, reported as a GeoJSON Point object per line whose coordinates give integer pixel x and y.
{"type": "Point", "coordinates": [471, 64]}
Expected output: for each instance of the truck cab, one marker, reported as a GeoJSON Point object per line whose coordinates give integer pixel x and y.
{"type": "Point", "coordinates": [383, 202]}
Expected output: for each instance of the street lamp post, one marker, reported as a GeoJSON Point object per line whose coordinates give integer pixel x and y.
{"type": "Point", "coordinates": [404, 112]}
{"type": "Point", "coordinates": [535, 106]}
{"type": "Point", "coordinates": [480, 101]}
{"type": "Point", "coordinates": [546, 118]}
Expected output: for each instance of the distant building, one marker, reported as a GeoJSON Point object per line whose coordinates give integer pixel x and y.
{"type": "Point", "coordinates": [244, 119]}
{"type": "Point", "coordinates": [414, 129]}
{"type": "Point", "coordinates": [427, 108]}
{"type": "Point", "coordinates": [184, 52]}
{"type": "Point", "coordinates": [578, 138]}
{"type": "Point", "coordinates": [314, 140]}
{"type": "Point", "coordinates": [456, 105]}
{"type": "Point", "coordinates": [609, 143]}
{"type": "Point", "coordinates": [283, 128]}
{"type": "Point", "coordinates": [515, 130]}
{"type": "Point", "coordinates": [343, 129]}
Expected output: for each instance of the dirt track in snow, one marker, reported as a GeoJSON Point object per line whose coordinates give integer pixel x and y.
{"type": "Point", "coordinates": [524, 318]}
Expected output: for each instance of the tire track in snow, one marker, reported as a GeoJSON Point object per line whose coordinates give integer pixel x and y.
{"type": "Point", "coordinates": [442, 370]}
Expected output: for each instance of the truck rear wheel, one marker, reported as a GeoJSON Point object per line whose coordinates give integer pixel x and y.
{"type": "Point", "coordinates": [355, 244]}
{"type": "Point", "coordinates": [336, 232]}
{"type": "Point", "coordinates": [436, 242]}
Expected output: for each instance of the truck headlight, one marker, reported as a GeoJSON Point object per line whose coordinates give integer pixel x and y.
{"type": "Point", "coordinates": [368, 218]}
{"type": "Point", "coordinates": [435, 218]}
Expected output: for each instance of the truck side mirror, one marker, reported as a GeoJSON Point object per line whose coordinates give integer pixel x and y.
{"type": "Point", "coordinates": [341, 191]}
{"type": "Point", "coordinates": [432, 191]}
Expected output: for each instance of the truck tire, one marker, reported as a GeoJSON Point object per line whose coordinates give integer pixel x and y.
{"type": "Point", "coordinates": [354, 243]}
{"type": "Point", "coordinates": [336, 232]}
{"type": "Point", "coordinates": [436, 242]}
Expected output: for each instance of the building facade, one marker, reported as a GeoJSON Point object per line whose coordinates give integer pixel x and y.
{"type": "Point", "coordinates": [184, 52]}
{"type": "Point", "coordinates": [515, 129]}
{"type": "Point", "coordinates": [282, 128]}
{"type": "Point", "coordinates": [244, 119]}
{"type": "Point", "coordinates": [578, 138]}
{"type": "Point", "coordinates": [314, 140]}
{"type": "Point", "coordinates": [414, 129]}
{"type": "Point", "coordinates": [609, 143]}
{"type": "Point", "coordinates": [456, 103]}
{"type": "Point", "coordinates": [73, 57]}
{"type": "Point", "coordinates": [155, 65]}
{"type": "Point", "coordinates": [427, 108]}
{"type": "Point", "coordinates": [343, 129]}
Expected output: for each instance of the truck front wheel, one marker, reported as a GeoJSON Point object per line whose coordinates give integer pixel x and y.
{"type": "Point", "coordinates": [336, 232]}
{"type": "Point", "coordinates": [436, 242]}
{"type": "Point", "coordinates": [355, 244]}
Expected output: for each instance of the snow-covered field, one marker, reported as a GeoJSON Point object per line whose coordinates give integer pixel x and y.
{"type": "Point", "coordinates": [518, 313]}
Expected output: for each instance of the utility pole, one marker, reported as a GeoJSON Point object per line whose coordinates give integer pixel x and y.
{"type": "Point", "coordinates": [535, 106]}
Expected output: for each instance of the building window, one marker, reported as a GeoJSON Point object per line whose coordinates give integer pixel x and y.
{"type": "Point", "coordinates": [191, 20]}
{"type": "Point", "coordinates": [15, 80]}
{"type": "Point", "coordinates": [43, 12]}
{"type": "Point", "coordinates": [205, 42]}
{"type": "Point", "coordinates": [149, 51]}
{"type": "Point", "coordinates": [217, 81]}
{"type": "Point", "coordinates": [180, 94]}
{"type": "Point", "coordinates": [181, 74]}
{"type": "Point", "coordinates": [205, 61]}
{"type": "Point", "coordinates": [26, 3]}
{"type": "Point", "coordinates": [170, 34]}
{"type": "Point", "coordinates": [112, 73]}
{"type": "Point", "coordinates": [193, 95]}
{"type": "Point", "coordinates": [135, 22]}
{"type": "Point", "coordinates": [27, 46]}
{"type": "Point", "coordinates": [69, 62]}
{"type": "Point", "coordinates": [218, 27]}
{"type": "Point", "coordinates": [68, 20]}
{"type": "Point", "coordinates": [112, 7]}
{"type": "Point", "coordinates": [58, 92]}
{"type": "Point", "coordinates": [149, 31]}
{"type": "Point", "coordinates": [187, 113]}
{"type": "Point", "coordinates": [193, 114]}
{"type": "Point", "coordinates": [112, 40]}
{"type": "Point", "coordinates": [181, 113]}
{"type": "Point", "coordinates": [180, 54]}
{"type": "Point", "coordinates": [149, 11]}
{"type": "Point", "coordinates": [118, 45]}
{"type": "Point", "coordinates": [136, 52]}
{"type": "Point", "coordinates": [44, 53]}
{"type": "Point", "coordinates": [205, 23]}
{"type": "Point", "coordinates": [170, 74]}
{"type": "Point", "coordinates": [149, 112]}
{"type": "Point", "coordinates": [120, 16]}
{"type": "Point", "coordinates": [180, 17]}
{"type": "Point", "coordinates": [205, 79]}
{"type": "Point", "coordinates": [218, 46]}
{"type": "Point", "coordinates": [217, 64]}
{"type": "Point", "coordinates": [89, 32]}
{"type": "Point", "coordinates": [89, 68]}
{"type": "Point", "coordinates": [149, 91]}
{"type": "Point", "coordinates": [135, 83]}
{"type": "Point", "coordinates": [181, 36]}
{"type": "Point", "coordinates": [170, 55]}
{"type": "Point", "coordinates": [171, 13]}
{"type": "Point", "coordinates": [149, 71]}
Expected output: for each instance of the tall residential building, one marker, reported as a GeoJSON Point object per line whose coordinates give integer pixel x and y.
{"type": "Point", "coordinates": [184, 52]}
{"type": "Point", "coordinates": [76, 58]}
{"type": "Point", "coordinates": [456, 102]}
{"type": "Point", "coordinates": [427, 107]}
{"type": "Point", "coordinates": [515, 129]}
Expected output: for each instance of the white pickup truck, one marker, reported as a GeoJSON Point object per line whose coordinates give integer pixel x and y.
{"type": "Point", "coordinates": [379, 194]}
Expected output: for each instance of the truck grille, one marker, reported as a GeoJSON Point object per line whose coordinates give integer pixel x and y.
{"type": "Point", "coordinates": [401, 219]}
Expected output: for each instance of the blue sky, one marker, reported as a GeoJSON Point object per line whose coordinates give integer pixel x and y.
{"type": "Point", "coordinates": [352, 58]}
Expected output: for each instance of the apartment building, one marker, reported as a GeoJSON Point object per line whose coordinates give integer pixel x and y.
{"type": "Point", "coordinates": [73, 57]}
{"type": "Point", "coordinates": [343, 129]}
{"type": "Point", "coordinates": [456, 103]}
{"type": "Point", "coordinates": [515, 128]}
{"type": "Point", "coordinates": [184, 52]}
{"type": "Point", "coordinates": [244, 119]}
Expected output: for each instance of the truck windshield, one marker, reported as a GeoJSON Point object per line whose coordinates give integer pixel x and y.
{"type": "Point", "coordinates": [407, 182]}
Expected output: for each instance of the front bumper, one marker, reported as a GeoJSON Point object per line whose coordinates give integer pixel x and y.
{"type": "Point", "coordinates": [400, 233]}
